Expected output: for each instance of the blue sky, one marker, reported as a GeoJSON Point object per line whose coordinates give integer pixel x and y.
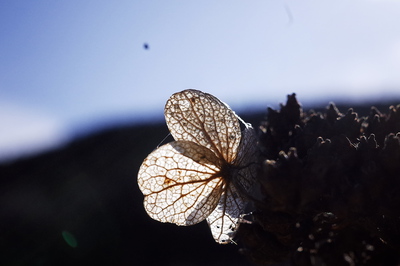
{"type": "Point", "coordinates": [68, 65]}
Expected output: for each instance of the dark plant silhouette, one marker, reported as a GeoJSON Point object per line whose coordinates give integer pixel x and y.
{"type": "Point", "coordinates": [329, 188]}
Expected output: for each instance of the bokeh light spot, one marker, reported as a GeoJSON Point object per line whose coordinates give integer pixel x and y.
{"type": "Point", "coordinates": [70, 239]}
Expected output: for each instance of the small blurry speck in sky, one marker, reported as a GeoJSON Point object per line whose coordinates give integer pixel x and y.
{"type": "Point", "coordinates": [67, 65]}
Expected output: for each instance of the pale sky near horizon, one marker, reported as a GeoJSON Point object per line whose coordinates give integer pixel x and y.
{"type": "Point", "coordinates": [67, 65]}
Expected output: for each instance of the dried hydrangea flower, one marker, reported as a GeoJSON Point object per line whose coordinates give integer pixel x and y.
{"type": "Point", "coordinates": [206, 171]}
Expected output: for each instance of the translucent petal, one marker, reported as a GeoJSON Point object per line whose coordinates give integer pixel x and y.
{"type": "Point", "coordinates": [246, 160]}
{"type": "Point", "coordinates": [180, 182]}
{"type": "Point", "coordinates": [196, 116]}
{"type": "Point", "coordinates": [224, 220]}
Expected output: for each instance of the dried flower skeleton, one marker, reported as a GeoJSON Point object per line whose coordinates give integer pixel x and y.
{"type": "Point", "coordinates": [206, 172]}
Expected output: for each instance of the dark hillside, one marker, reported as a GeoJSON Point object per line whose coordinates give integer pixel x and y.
{"type": "Point", "coordinates": [89, 189]}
